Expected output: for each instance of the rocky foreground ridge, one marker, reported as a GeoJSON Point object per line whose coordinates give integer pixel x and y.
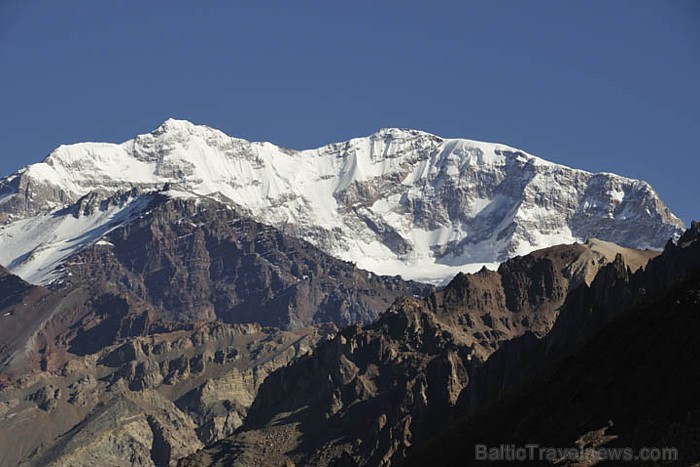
{"type": "Point", "coordinates": [630, 380]}
{"type": "Point", "coordinates": [382, 391]}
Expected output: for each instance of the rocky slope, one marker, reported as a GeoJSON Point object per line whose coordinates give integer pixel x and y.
{"type": "Point", "coordinates": [632, 384]}
{"type": "Point", "coordinates": [140, 352]}
{"type": "Point", "coordinates": [198, 259]}
{"type": "Point", "coordinates": [143, 401]}
{"type": "Point", "coordinates": [586, 310]}
{"type": "Point", "coordinates": [396, 202]}
{"type": "Point", "coordinates": [372, 393]}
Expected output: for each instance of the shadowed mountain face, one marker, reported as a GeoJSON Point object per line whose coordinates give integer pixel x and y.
{"type": "Point", "coordinates": [372, 394]}
{"type": "Point", "coordinates": [198, 260]}
{"type": "Point", "coordinates": [633, 383]}
{"type": "Point", "coordinates": [586, 310]}
{"type": "Point", "coordinates": [13, 288]}
{"type": "Point", "coordinates": [176, 262]}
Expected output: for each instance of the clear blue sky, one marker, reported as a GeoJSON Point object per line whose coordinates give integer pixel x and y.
{"type": "Point", "coordinates": [607, 85]}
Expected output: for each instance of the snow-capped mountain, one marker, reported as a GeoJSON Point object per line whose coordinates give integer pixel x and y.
{"type": "Point", "coordinates": [396, 202]}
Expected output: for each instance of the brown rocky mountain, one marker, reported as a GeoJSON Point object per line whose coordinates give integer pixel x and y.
{"type": "Point", "coordinates": [202, 260]}
{"type": "Point", "coordinates": [179, 262]}
{"type": "Point", "coordinates": [144, 351]}
{"type": "Point", "coordinates": [90, 378]}
{"type": "Point", "coordinates": [587, 309]}
{"type": "Point", "coordinates": [632, 384]}
{"type": "Point", "coordinates": [371, 393]}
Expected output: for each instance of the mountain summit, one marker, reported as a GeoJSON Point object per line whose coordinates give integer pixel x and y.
{"type": "Point", "coordinates": [399, 201]}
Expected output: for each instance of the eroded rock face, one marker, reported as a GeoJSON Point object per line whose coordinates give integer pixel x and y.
{"type": "Point", "coordinates": [615, 289]}
{"type": "Point", "coordinates": [619, 370]}
{"type": "Point", "coordinates": [204, 261]}
{"type": "Point", "coordinates": [146, 401]}
{"type": "Point", "coordinates": [46, 398]}
{"type": "Point", "coordinates": [406, 371]}
{"type": "Point", "coordinates": [372, 393]}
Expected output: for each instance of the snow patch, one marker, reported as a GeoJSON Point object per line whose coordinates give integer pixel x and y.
{"type": "Point", "coordinates": [34, 248]}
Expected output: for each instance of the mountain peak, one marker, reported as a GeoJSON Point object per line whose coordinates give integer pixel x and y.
{"type": "Point", "coordinates": [395, 132]}
{"type": "Point", "coordinates": [173, 124]}
{"type": "Point", "coordinates": [400, 201]}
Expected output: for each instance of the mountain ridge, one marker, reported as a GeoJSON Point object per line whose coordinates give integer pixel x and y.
{"type": "Point", "coordinates": [398, 201]}
{"type": "Point", "coordinates": [374, 394]}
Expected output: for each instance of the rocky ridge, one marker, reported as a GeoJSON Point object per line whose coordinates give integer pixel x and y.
{"type": "Point", "coordinates": [629, 380]}
{"type": "Point", "coordinates": [379, 390]}
{"type": "Point", "coordinates": [197, 259]}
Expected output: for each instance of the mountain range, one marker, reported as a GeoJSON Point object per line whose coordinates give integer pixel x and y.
{"type": "Point", "coordinates": [398, 202]}
{"type": "Point", "coordinates": [187, 298]}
